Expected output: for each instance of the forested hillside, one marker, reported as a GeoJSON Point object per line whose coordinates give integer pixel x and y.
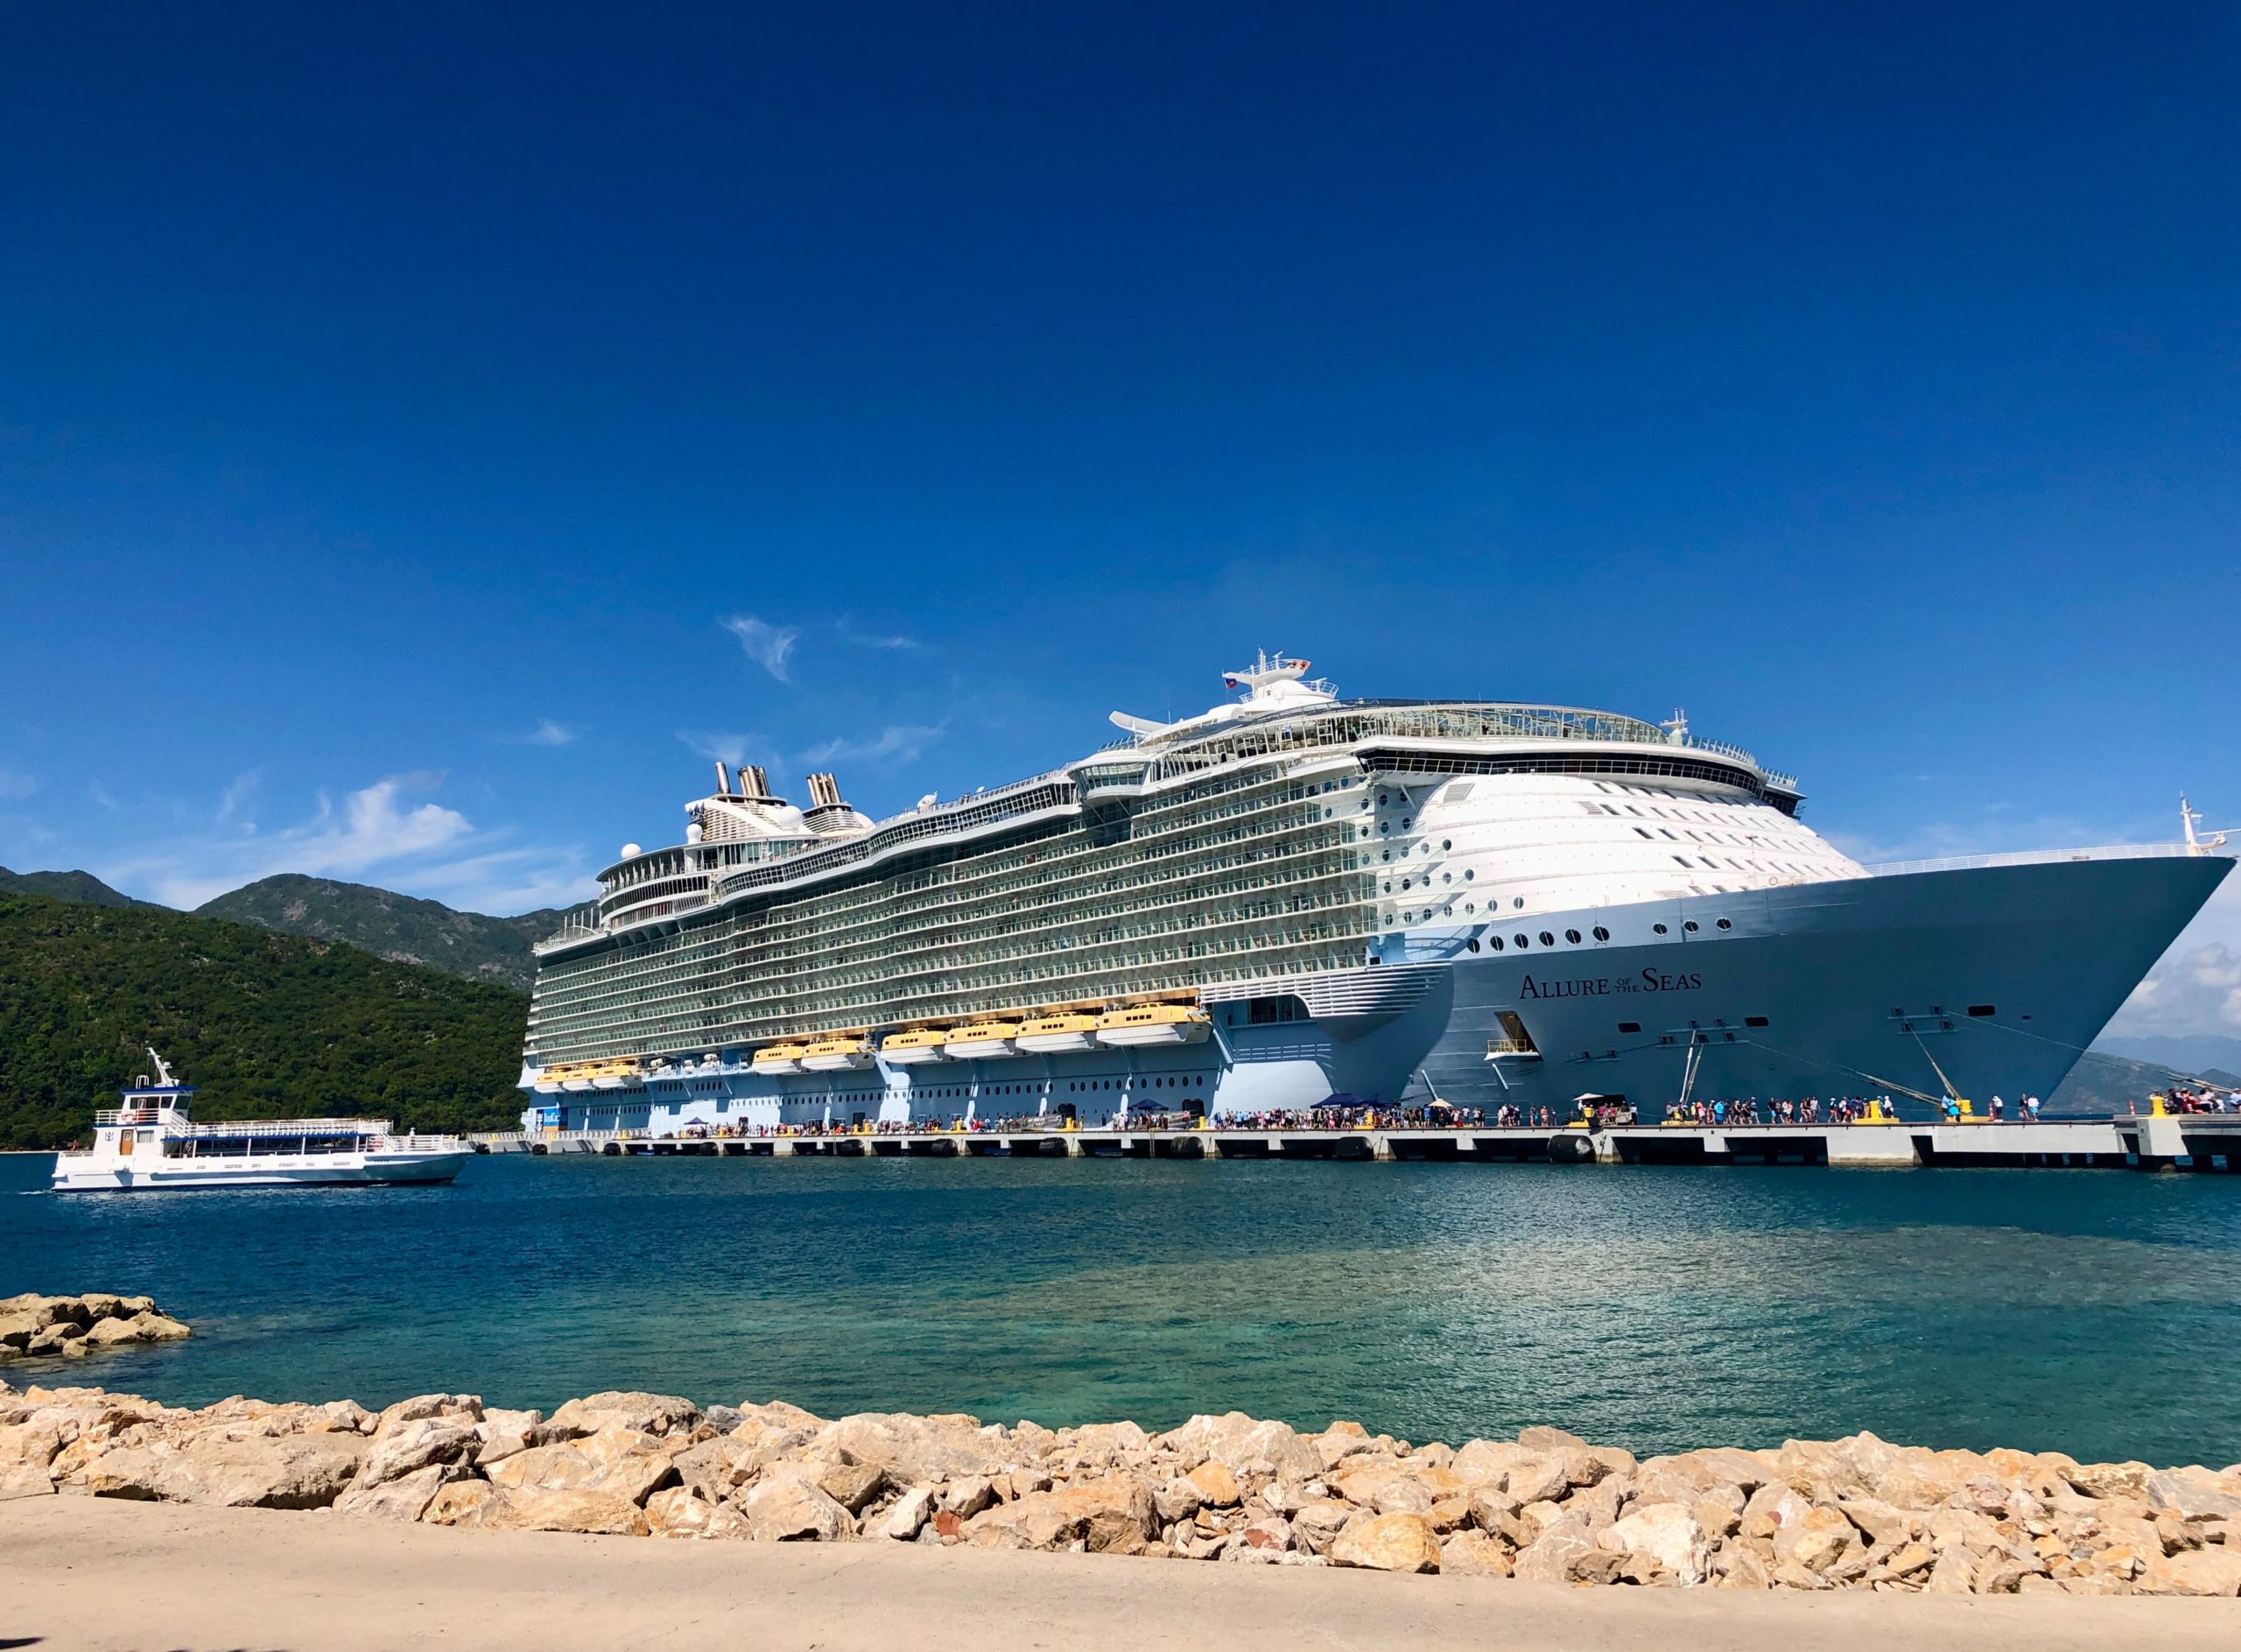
{"type": "Point", "coordinates": [392, 925]}
{"type": "Point", "coordinates": [269, 1025]}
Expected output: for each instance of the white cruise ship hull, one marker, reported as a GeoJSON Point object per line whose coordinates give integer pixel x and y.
{"type": "Point", "coordinates": [1996, 977]}
{"type": "Point", "coordinates": [84, 1173]}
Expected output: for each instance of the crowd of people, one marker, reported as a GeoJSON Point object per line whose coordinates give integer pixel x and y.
{"type": "Point", "coordinates": [1350, 1112]}
{"type": "Point", "coordinates": [2188, 1099]}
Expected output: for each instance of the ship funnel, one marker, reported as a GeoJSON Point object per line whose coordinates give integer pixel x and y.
{"type": "Point", "coordinates": [824, 792]}
{"type": "Point", "coordinates": [723, 779]}
{"type": "Point", "coordinates": [752, 782]}
{"type": "Point", "coordinates": [825, 811]}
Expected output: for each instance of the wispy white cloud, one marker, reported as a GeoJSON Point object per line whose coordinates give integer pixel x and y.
{"type": "Point", "coordinates": [898, 743]}
{"type": "Point", "coordinates": [378, 832]}
{"type": "Point", "coordinates": [100, 794]}
{"type": "Point", "coordinates": [238, 796]}
{"type": "Point", "coordinates": [548, 733]}
{"type": "Point", "coordinates": [720, 746]}
{"type": "Point", "coordinates": [16, 785]}
{"type": "Point", "coordinates": [844, 628]}
{"type": "Point", "coordinates": [769, 646]}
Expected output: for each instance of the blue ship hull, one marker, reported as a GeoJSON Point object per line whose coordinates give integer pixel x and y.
{"type": "Point", "coordinates": [1991, 978]}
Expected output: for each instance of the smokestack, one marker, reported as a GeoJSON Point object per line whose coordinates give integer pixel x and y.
{"type": "Point", "coordinates": [824, 792]}
{"type": "Point", "coordinates": [752, 781]}
{"type": "Point", "coordinates": [723, 779]}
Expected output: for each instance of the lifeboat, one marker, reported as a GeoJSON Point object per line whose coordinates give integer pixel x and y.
{"type": "Point", "coordinates": [836, 1055]}
{"type": "Point", "coordinates": [1057, 1035]}
{"type": "Point", "coordinates": [1153, 1025]}
{"type": "Point", "coordinates": [981, 1041]}
{"type": "Point", "coordinates": [779, 1057]}
{"type": "Point", "coordinates": [920, 1044]}
{"type": "Point", "coordinates": [548, 1087]}
{"type": "Point", "coordinates": [575, 1087]}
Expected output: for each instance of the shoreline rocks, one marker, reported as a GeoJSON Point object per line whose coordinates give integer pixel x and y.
{"type": "Point", "coordinates": [33, 1327]}
{"type": "Point", "coordinates": [1858, 1513]}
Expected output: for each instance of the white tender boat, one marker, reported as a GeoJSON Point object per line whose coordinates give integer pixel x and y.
{"type": "Point", "coordinates": [150, 1143]}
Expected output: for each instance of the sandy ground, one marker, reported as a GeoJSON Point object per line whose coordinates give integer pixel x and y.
{"type": "Point", "coordinates": [78, 1571]}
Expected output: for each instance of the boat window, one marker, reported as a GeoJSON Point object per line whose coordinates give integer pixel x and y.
{"type": "Point", "coordinates": [1725, 924]}
{"type": "Point", "coordinates": [1690, 926]}
{"type": "Point", "coordinates": [1547, 939]}
{"type": "Point", "coordinates": [1494, 941]}
{"type": "Point", "coordinates": [1572, 935]}
{"type": "Point", "coordinates": [1660, 928]}
{"type": "Point", "coordinates": [1601, 933]}
{"type": "Point", "coordinates": [1521, 942]}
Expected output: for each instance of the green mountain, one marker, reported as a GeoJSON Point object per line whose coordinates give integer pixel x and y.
{"type": "Point", "coordinates": [2101, 1084]}
{"type": "Point", "coordinates": [392, 926]}
{"type": "Point", "coordinates": [64, 886]}
{"type": "Point", "coordinates": [269, 1025]}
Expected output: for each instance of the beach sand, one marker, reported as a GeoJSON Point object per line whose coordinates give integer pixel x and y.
{"type": "Point", "coordinates": [87, 1573]}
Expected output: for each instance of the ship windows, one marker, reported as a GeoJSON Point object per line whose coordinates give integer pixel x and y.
{"type": "Point", "coordinates": [1472, 944]}
{"type": "Point", "coordinates": [1572, 935]}
{"type": "Point", "coordinates": [1630, 1026]}
{"type": "Point", "coordinates": [1754, 1021]}
{"type": "Point", "coordinates": [1660, 928]}
{"type": "Point", "coordinates": [1447, 843]}
{"type": "Point", "coordinates": [1468, 874]}
{"type": "Point", "coordinates": [1518, 902]}
{"type": "Point", "coordinates": [1725, 923]}
{"type": "Point", "coordinates": [1523, 943]}
{"type": "Point", "coordinates": [1982, 1010]}
{"type": "Point", "coordinates": [1494, 941]}
{"type": "Point", "coordinates": [1690, 926]}
{"type": "Point", "coordinates": [1547, 939]}
{"type": "Point", "coordinates": [1642, 831]}
{"type": "Point", "coordinates": [1680, 861]}
{"type": "Point", "coordinates": [1601, 933]}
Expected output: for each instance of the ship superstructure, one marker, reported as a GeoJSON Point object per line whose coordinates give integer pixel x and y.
{"type": "Point", "coordinates": [1313, 895]}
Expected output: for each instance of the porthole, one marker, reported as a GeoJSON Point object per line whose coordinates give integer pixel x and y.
{"type": "Point", "coordinates": [1381, 799]}
{"type": "Point", "coordinates": [1385, 855]}
{"type": "Point", "coordinates": [1519, 902]}
{"type": "Point", "coordinates": [1494, 941]}
{"type": "Point", "coordinates": [1385, 825]}
{"type": "Point", "coordinates": [1404, 883]}
{"type": "Point", "coordinates": [1724, 924]}
{"type": "Point", "coordinates": [1547, 939]}
{"type": "Point", "coordinates": [1447, 843]}
{"type": "Point", "coordinates": [1469, 906]}
{"type": "Point", "coordinates": [1601, 933]}
{"type": "Point", "coordinates": [1468, 875]}
{"type": "Point", "coordinates": [1572, 935]}
{"type": "Point", "coordinates": [1472, 944]}
{"type": "Point", "coordinates": [1523, 943]}
{"type": "Point", "coordinates": [1691, 926]}
{"type": "Point", "coordinates": [1660, 928]}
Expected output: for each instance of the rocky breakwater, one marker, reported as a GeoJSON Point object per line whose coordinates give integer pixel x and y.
{"type": "Point", "coordinates": [71, 1327]}
{"type": "Point", "coordinates": [1546, 1507]}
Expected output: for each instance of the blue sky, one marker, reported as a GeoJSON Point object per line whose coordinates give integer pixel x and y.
{"type": "Point", "coordinates": [426, 436]}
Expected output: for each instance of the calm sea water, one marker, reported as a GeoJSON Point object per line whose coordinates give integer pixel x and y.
{"type": "Point", "coordinates": [2097, 1312]}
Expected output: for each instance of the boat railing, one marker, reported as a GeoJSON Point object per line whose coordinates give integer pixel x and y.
{"type": "Point", "coordinates": [286, 1127]}
{"type": "Point", "coordinates": [2034, 857]}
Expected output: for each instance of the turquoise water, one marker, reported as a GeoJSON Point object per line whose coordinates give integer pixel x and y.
{"type": "Point", "coordinates": [2097, 1312]}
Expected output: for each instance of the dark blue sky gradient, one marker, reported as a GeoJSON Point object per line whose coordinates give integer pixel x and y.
{"type": "Point", "coordinates": [371, 388]}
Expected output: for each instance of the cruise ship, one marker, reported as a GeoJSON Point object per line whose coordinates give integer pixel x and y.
{"type": "Point", "coordinates": [1294, 896]}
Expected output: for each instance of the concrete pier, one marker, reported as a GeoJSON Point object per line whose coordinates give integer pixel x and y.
{"type": "Point", "coordinates": [2198, 1141]}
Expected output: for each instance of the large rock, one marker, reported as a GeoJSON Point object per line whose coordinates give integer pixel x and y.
{"type": "Point", "coordinates": [616, 1461]}
{"type": "Point", "coordinates": [1111, 1516]}
{"type": "Point", "coordinates": [1665, 1534]}
{"type": "Point", "coordinates": [582, 1511]}
{"type": "Point", "coordinates": [1816, 1539]}
{"type": "Point", "coordinates": [677, 1512]}
{"type": "Point", "coordinates": [1216, 1484]}
{"type": "Point", "coordinates": [416, 1446]}
{"type": "Point", "coordinates": [1473, 1554]}
{"type": "Point", "coordinates": [787, 1508]}
{"type": "Point", "coordinates": [2112, 1480]}
{"type": "Point", "coordinates": [1246, 1446]}
{"type": "Point", "coordinates": [2194, 1493]}
{"type": "Point", "coordinates": [909, 1513]}
{"type": "Point", "coordinates": [912, 1449]}
{"type": "Point", "coordinates": [640, 1413]}
{"type": "Point", "coordinates": [422, 1406]}
{"type": "Point", "coordinates": [400, 1497]}
{"type": "Point", "coordinates": [1565, 1552]}
{"type": "Point", "coordinates": [24, 1479]}
{"type": "Point", "coordinates": [715, 1469]}
{"type": "Point", "coordinates": [1387, 1543]}
{"type": "Point", "coordinates": [501, 1434]}
{"type": "Point", "coordinates": [2194, 1572]}
{"type": "Point", "coordinates": [289, 1471]}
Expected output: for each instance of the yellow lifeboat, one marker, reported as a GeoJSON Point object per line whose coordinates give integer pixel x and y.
{"type": "Point", "coordinates": [981, 1041]}
{"type": "Point", "coordinates": [836, 1055]}
{"type": "Point", "coordinates": [1057, 1035]}
{"type": "Point", "coordinates": [920, 1044]}
{"type": "Point", "coordinates": [1153, 1025]}
{"type": "Point", "coordinates": [780, 1057]}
